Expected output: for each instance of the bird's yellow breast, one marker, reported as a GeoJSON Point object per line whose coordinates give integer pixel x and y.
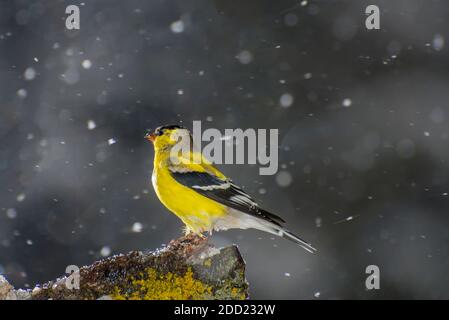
{"type": "Point", "coordinates": [196, 211]}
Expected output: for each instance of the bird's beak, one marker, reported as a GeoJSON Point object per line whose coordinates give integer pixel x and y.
{"type": "Point", "coordinates": [150, 137]}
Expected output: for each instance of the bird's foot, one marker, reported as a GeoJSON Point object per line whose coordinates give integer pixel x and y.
{"type": "Point", "coordinates": [189, 243]}
{"type": "Point", "coordinates": [195, 238]}
{"type": "Point", "coordinates": [196, 242]}
{"type": "Point", "coordinates": [186, 230]}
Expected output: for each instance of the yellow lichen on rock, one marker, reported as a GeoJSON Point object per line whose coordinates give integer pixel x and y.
{"type": "Point", "coordinates": [154, 286]}
{"type": "Point", "coordinates": [207, 263]}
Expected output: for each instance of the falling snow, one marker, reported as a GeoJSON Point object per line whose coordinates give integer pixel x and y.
{"type": "Point", "coordinates": [286, 100]}
{"type": "Point", "coordinates": [91, 125]}
{"type": "Point", "coordinates": [177, 26]}
{"type": "Point", "coordinates": [438, 42]}
{"type": "Point", "coordinates": [86, 64]}
{"type": "Point", "coordinates": [11, 213]}
{"type": "Point", "coordinates": [347, 103]}
{"type": "Point", "coordinates": [245, 57]}
{"type": "Point", "coordinates": [29, 74]}
{"type": "Point", "coordinates": [284, 178]}
{"type": "Point", "coordinates": [137, 227]}
{"type": "Point", "coordinates": [291, 19]}
{"type": "Point", "coordinates": [22, 93]}
{"type": "Point", "coordinates": [105, 251]}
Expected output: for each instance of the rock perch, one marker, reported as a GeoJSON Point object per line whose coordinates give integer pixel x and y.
{"type": "Point", "coordinates": [188, 268]}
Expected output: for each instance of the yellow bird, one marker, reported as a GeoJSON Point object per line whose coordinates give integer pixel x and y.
{"type": "Point", "coordinates": [203, 197]}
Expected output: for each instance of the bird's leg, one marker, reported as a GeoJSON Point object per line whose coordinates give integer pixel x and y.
{"type": "Point", "coordinates": [191, 241]}
{"type": "Point", "coordinates": [196, 237]}
{"type": "Point", "coordinates": [196, 240]}
{"type": "Point", "coordinates": [190, 234]}
{"type": "Point", "coordinates": [186, 230]}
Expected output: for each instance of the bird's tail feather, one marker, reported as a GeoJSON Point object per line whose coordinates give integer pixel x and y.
{"type": "Point", "coordinates": [241, 220]}
{"type": "Point", "coordinates": [284, 233]}
{"type": "Point", "coordinates": [303, 244]}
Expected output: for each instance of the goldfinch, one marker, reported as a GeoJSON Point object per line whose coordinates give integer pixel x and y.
{"type": "Point", "coordinates": [201, 196]}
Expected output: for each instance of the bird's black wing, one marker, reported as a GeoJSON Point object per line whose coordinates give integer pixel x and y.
{"type": "Point", "coordinates": [224, 192]}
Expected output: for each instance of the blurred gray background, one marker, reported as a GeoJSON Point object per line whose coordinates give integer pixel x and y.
{"type": "Point", "coordinates": [362, 115]}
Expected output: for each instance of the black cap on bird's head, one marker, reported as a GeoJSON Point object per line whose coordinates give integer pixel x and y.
{"type": "Point", "coordinates": [151, 136]}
